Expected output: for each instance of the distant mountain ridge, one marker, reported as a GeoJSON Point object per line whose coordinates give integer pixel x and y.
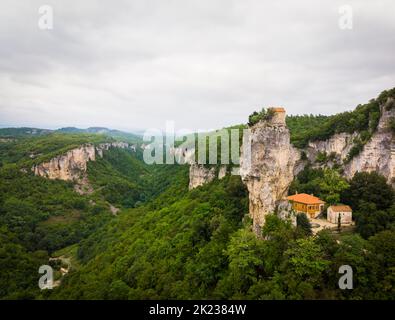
{"type": "Point", "coordinates": [23, 131]}
{"type": "Point", "coordinates": [118, 134]}
{"type": "Point", "coordinates": [26, 131]}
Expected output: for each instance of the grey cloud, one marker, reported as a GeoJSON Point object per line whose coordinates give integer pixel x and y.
{"type": "Point", "coordinates": [203, 64]}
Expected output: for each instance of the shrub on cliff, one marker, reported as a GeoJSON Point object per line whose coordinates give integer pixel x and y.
{"type": "Point", "coordinates": [255, 117]}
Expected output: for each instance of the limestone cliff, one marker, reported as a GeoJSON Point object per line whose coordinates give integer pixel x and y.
{"type": "Point", "coordinates": [106, 146]}
{"type": "Point", "coordinates": [68, 166]}
{"type": "Point", "coordinates": [339, 145]}
{"type": "Point", "coordinates": [199, 175]}
{"type": "Point", "coordinates": [223, 170]}
{"type": "Point", "coordinates": [267, 166]}
{"type": "Point", "coordinates": [378, 153]}
{"type": "Point", "coordinates": [72, 165]}
{"type": "Point", "coordinates": [269, 162]}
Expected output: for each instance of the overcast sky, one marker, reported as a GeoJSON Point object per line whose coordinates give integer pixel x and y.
{"type": "Point", "coordinates": [203, 63]}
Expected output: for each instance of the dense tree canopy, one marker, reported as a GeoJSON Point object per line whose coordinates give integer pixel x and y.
{"type": "Point", "coordinates": [373, 202]}
{"type": "Point", "coordinates": [324, 183]}
{"type": "Point", "coordinates": [168, 242]}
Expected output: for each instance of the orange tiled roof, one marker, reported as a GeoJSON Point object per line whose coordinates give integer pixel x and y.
{"type": "Point", "coordinates": [277, 109]}
{"type": "Point", "coordinates": [305, 198]}
{"type": "Point", "coordinates": [341, 208]}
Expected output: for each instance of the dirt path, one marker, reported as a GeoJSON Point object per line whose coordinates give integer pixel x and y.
{"type": "Point", "coordinates": [324, 224]}
{"type": "Point", "coordinates": [63, 271]}
{"type": "Point", "coordinates": [113, 209]}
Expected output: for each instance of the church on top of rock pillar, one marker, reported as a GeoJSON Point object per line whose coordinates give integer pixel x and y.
{"type": "Point", "coordinates": [278, 115]}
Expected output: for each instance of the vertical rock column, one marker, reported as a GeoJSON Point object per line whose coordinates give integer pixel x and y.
{"type": "Point", "coordinates": [267, 165]}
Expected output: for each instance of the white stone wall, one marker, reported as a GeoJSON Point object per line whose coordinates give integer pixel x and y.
{"type": "Point", "coordinates": [332, 216]}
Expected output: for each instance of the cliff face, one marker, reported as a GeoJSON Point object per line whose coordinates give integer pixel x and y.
{"type": "Point", "coordinates": [73, 165]}
{"type": "Point", "coordinates": [223, 170]}
{"type": "Point", "coordinates": [267, 167]}
{"type": "Point", "coordinates": [269, 162]}
{"type": "Point", "coordinates": [106, 146]}
{"type": "Point", "coordinates": [379, 153]}
{"type": "Point", "coordinates": [199, 175]}
{"type": "Point", "coordinates": [68, 166]}
{"type": "Point", "coordinates": [339, 144]}
{"type": "Point", "coordinates": [272, 162]}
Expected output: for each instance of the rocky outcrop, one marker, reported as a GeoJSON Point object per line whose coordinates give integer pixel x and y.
{"type": "Point", "coordinates": [72, 165]}
{"type": "Point", "coordinates": [68, 166]}
{"type": "Point", "coordinates": [272, 163]}
{"type": "Point", "coordinates": [200, 175]}
{"type": "Point", "coordinates": [338, 145]}
{"type": "Point", "coordinates": [106, 146]}
{"type": "Point", "coordinates": [267, 167]}
{"type": "Point", "coordinates": [269, 162]}
{"type": "Point", "coordinates": [378, 154]}
{"type": "Point", "coordinates": [284, 211]}
{"type": "Point", "coordinates": [222, 172]}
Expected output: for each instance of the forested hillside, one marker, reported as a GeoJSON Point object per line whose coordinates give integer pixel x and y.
{"type": "Point", "coordinates": [199, 245]}
{"type": "Point", "coordinates": [363, 119]}
{"type": "Point", "coordinates": [141, 234]}
{"type": "Point", "coordinates": [39, 216]}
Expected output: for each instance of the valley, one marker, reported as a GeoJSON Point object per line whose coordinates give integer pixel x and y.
{"type": "Point", "coordinates": [116, 227]}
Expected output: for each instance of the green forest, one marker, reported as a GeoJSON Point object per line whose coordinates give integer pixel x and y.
{"type": "Point", "coordinates": [169, 242]}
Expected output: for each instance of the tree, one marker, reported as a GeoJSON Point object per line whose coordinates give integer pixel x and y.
{"type": "Point", "coordinates": [326, 183]}
{"type": "Point", "coordinates": [304, 224]}
{"type": "Point", "coordinates": [372, 201]}
{"type": "Point", "coordinates": [384, 246]}
{"type": "Point", "coordinates": [304, 268]}
{"type": "Point", "coordinates": [369, 220]}
{"type": "Point", "coordinates": [332, 185]}
{"type": "Point", "coordinates": [368, 187]}
{"type": "Point", "coordinates": [339, 222]}
{"type": "Point", "coordinates": [245, 260]}
{"type": "Point", "coordinates": [255, 117]}
{"type": "Point", "coordinates": [118, 290]}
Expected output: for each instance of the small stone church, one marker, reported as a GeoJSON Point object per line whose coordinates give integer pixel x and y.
{"type": "Point", "coordinates": [345, 213]}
